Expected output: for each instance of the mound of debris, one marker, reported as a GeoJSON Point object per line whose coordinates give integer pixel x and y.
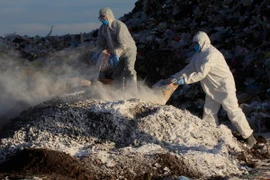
{"type": "Point", "coordinates": [128, 139]}
{"type": "Point", "coordinates": [86, 137]}
{"type": "Point", "coordinates": [162, 31]}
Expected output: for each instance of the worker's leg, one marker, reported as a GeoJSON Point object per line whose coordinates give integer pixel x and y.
{"type": "Point", "coordinates": [129, 74]}
{"type": "Point", "coordinates": [236, 115]}
{"type": "Point", "coordinates": [117, 75]}
{"type": "Point", "coordinates": [210, 111]}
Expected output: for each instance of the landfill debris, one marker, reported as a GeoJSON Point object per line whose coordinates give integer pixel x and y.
{"type": "Point", "coordinates": [162, 31]}
{"type": "Point", "coordinates": [118, 138]}
{"type": "Point", "coordinates": [241, 31]}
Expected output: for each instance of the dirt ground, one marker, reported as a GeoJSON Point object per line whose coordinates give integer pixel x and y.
{"type": "Point", "coordinates": [47, 164]}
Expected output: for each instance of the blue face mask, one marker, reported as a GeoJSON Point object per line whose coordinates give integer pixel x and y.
{"type": "Point", "coordinates": [105, 22]}
{"type": "Point", "coordinates": [197, 47]}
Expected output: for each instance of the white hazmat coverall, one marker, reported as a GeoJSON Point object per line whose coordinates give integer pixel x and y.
{"type": "Point", "coordinates": [117, 39]}
{"type": "Point", "coordinates": [210, 68]}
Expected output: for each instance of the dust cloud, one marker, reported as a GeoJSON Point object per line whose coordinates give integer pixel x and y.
{"type": "Point", "coordinates": [26, 83]}
{"type": "Point", "coordinates": [143, 92]}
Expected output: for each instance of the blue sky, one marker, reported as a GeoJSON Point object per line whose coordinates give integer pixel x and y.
{"type": "Point", "coordinates": [35, 17]}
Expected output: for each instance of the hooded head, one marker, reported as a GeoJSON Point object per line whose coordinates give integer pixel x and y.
{"type": "Point", "coordinates": [202, 39]}
{"type": "Point", "coordinates": [107, 14]}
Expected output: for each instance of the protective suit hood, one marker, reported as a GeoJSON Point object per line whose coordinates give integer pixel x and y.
{"type": "Point", "coordinates": [108, 13]}
{"type": "Point", "coordinates": [203, 40]}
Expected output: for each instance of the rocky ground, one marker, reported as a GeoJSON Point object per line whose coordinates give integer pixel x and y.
{"type": "Point", "coordinates": [76, 137]}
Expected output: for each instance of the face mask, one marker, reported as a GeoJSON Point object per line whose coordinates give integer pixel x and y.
{"type": "Point", "coordinates": [197, 47]}
{"type": "Point", "coordinates": [105, 22]}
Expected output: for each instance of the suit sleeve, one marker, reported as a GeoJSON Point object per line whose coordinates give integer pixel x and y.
{"type": "Point", "coordinates": [101, 41]}
{"type": "Point", "coordinates": [202, 71]}
{"type": "Point", "coordinates": [187, 70]}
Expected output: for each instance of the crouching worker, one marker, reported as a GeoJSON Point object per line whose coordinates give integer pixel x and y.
{"type": "Point", "coordinates": [209, 66]}
{"type": "Point", "coordinates": [115, 38]}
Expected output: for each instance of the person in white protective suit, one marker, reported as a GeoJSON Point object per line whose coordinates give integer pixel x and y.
{"type": "Point", "coordinates": [209, 66]}
{"type": "Point", "coordinates": [114, 36]}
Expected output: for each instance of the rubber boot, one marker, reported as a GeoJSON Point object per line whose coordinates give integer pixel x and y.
{"type": "Point", "coordinates": [251, 141]}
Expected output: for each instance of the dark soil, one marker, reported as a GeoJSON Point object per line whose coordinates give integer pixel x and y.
{"type": "Point", "coordinates": [54, 165]}
{"type": "Point", "coordinates": [50, 164]}
{"type": "Point", "coordinates": [47, 163]}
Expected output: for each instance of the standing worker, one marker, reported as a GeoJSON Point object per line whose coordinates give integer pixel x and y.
{"type": "Point", "coordinates": [209, 66]}
{"type": "Point", "coordinates": [114, 36]}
